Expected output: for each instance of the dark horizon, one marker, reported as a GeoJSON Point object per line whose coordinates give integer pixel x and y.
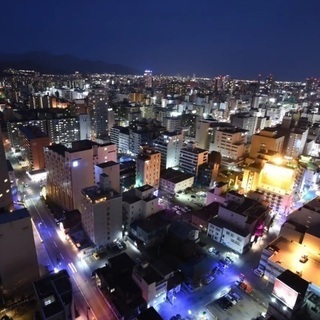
{"type": "Point", "coordinates": [240, 39]}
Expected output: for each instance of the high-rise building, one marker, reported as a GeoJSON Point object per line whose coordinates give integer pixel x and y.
{"type": "Point", "coordinates": [269, 140]}
{"type": "Point", "coordinates": [232, 145]}
{"type": "Point", "coordinates": [63, 130]}
{"type": "Point", "coordinates": [84, 126]}
{"type": "Point", "coordinates": [5, 186]}
{"type": "Point", "coordinates": [139, 203]}
{"type": "Point", "coordinates": [19, 264]}
{"type": "Point", "coordinates": [169, 145]}
{"type": "Point", "coordinates": [54, 297]}
{"type": "Point", "coordinates": [148, 168]}
{"type": "Point", "coordinates": [172, 123]}
{"type": "Point", "coordinates": [246, 121]}
{"type": "Point", "coordinates": [32, 143]}
{"type": "Point", "coordinates": [148, 78]}
{"type": "Point", "coordinates": [101, 213]}
{"type": "Point", "coordinates": [206, 130]}
{"type": "Point", "coordinates": [69, 170]}
{"type": "Point", "coordinates": [191, 158]}
{"type": "Point", "coordinates": [102, 116]}
{"type": "Point", "coordinates": [111, 171]}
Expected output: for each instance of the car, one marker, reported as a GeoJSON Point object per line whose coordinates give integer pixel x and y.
{"type": "Point", "coordinates": [120, 246]}
{"type": "Point", "coordinates": [96, 256]}
{"type": "Point", "coordinates": [211, 249]}
{"type": "Point", "coordinates": [231, 299]}
{"type": "Point", "coordinates": [207, 279]}
{"type": "Point", "coordinates": [216, 252]}
{"type": "Point", "coordinates": [258, 272]}
{"type": "Point", "coordinates": [229, 259]}
{"type": "Point", "coordinates": [178, 212]}
{"type": "Point", "coordinates": [26, 185]}
{"type": "Point", "coordinates": [235, 296]}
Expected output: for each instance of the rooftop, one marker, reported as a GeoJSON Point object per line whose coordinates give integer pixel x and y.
{"type": "Point", "coordinates": [7, 217]}
{"type": "Point", "coordinates": [106, 164]}
{"type": "Point", "coordinates": [194, 150]}
{"type": "Point", "coordinates": [287, 255]}
{"type": "Point", "coordinates": [144, 188]}
{"type": "Point", "coordinates": [174, 176]}
{"type": "Point", "coordinates": [149, 274]}
{"type": "Point", "coordinates": [94, 193]}
{"type": "Point", "coordinates": [54, 292]}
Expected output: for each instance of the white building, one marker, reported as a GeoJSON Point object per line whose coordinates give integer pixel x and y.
{"type": "Point", "coordinates": [69, 170]}
{"type": "Point", "coordinates": [297, 141]}
{"type": "Point", "coordinates": [173, 181]}
{"type": "Point", "coordinates": [169, 144]}
{"type": "Point", "coordinates": [139, 203]}
{"type": "Point", "coordinates": [232, 145]}
{"type": "Point", "coordinates": [111, 170]}
{"type": "Point", "coordinates": [101, 215]}
{"type": "Point", "coordinates": [191, 158]}
{"type": "Point", "coordinates": [153, 286]}
{"type": "Point", "coordinates": [237, 221]}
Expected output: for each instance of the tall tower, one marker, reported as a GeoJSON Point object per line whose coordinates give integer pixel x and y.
{"type": "Point", "coordinates": [148, 78]}
{"type": "Point", "coordinates": [5, 187]}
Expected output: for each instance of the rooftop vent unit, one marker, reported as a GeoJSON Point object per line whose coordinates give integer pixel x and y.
{"type": "Point", "coordinates": [304, 258]}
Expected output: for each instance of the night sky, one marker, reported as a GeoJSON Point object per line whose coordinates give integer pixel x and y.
{"type": "Point", "coordinates": [241, 38]}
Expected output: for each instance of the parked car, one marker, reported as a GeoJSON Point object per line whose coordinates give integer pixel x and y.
{"type": "Point", "coordinates": [211, 249]}
{"type": "Point", "coordinates": [258, 272]}
{"type": "Point", "coordinates": [231, 299]}
{"type": "Point", "coordinates": [235, 296]}
{"type": "Point", "coordinates": [207, 279]}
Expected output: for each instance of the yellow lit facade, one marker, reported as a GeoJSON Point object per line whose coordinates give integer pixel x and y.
{"type": "Point", "coordinates": [275, 179]}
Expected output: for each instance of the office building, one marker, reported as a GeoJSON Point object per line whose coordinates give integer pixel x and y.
{"type": "Point", "coordinates": [32, 143]}
{"type": "Point", "coordinates": [169, 145]}
{"type": "Point", "coordinates": [174, 181]}
{"type": "Point", "coordinates": [148, 168]}
{"type": "Point", "coordinates": [19, 264]}
{"type": "Point", "coordinates": [172, 123]}
{"type": "Point", "coordinates": [246, 121]}
{"type": "Point", "coordinates": [5, 186]}
{"type": "Point", "coordinates": [297, 141]}
{"type": "Point", "coordinates": [69, 170]}
{"type": "Point", "coordinates": [268, 139]}
{"type": "Point", "coordinates": [84, 126]}
{"type": "Point", "coordinates": [191, 158]}
{"type": "Point", "coordinates": [54, 297]}
{"type": "Point", "coordinates": [101, 213]}
{"type": "Point", "coordinates": [148, 78]}
{"type": "Point", "coordinates": [101, 115]}
{"type": "Point", "coordinates": [232, 144]}
{"type": "Point", "coordinates": [273, 177]}
{"type": "Point", "coordinates": [238, 220]}
{"type": "Point", "coordinates": [111, 171]}
{"type": "Point", "coordinates": [139, 203]}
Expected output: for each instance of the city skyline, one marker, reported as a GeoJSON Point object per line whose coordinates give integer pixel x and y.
{"type": "Point", "coordinates": [210, 39]}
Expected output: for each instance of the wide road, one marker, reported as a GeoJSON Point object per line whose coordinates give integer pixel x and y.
{"type": "Point", "coordinates": [89, 302]}
{"type": "Point", "coordinates": [63, 255]}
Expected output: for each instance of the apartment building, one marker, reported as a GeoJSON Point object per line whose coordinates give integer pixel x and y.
{"type": "Point", "coordinates": [148, 168]}
{"type": "Point", "coordinates": [69, 170]}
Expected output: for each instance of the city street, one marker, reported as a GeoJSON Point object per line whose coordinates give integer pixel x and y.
{"type": "Point", "coordinates": [55, 252]}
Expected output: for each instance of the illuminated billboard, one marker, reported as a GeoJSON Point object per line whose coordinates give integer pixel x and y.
{"type": "Point", "coordinates": [285, 294]}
